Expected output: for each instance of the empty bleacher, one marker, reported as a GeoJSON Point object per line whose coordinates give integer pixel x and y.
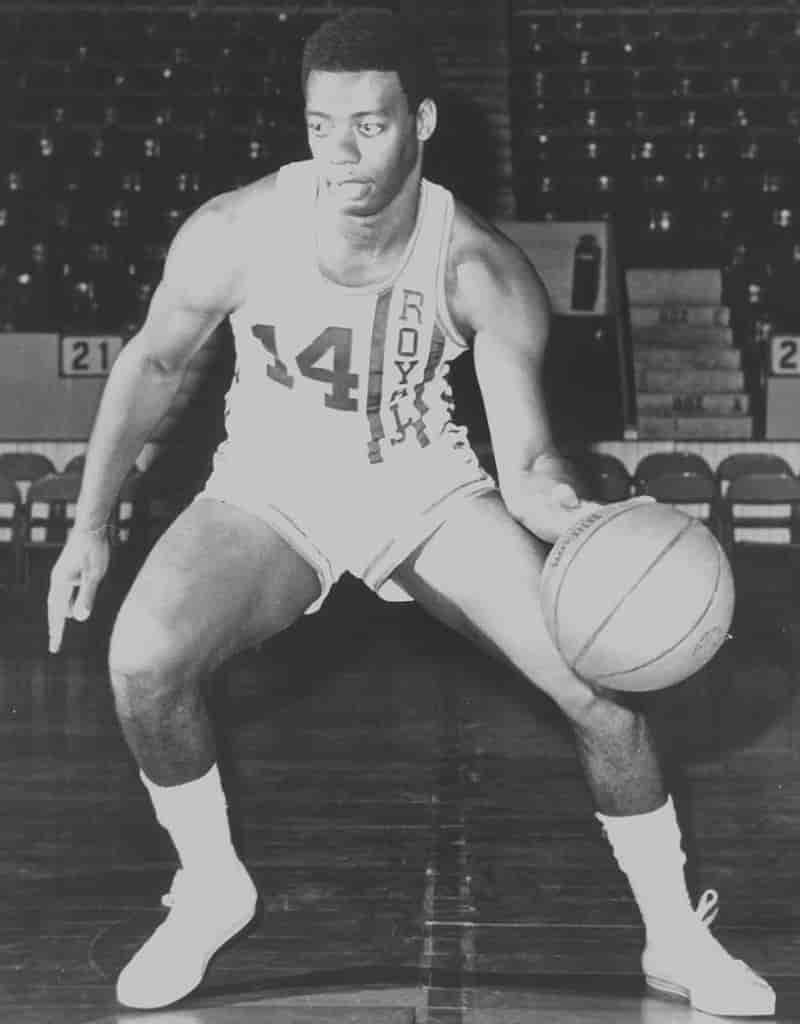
{"type": "Point", "coordinates": [678, 121]}
{"type": "Point", "coordinates": [118, 122]}
{"type": "Point", "coordinates": [677, 124]}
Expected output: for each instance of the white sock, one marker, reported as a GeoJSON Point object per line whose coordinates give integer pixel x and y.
{"type": "Point", "coordinates": [195, 814]}
{"type": "Point", "coordinates": [647, 848]}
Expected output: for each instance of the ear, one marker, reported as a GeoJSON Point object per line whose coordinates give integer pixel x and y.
{"type": "Point", "coordinates": [427, 116]}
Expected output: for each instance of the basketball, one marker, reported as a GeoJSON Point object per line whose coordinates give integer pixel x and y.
{"type": "Point", "coordinates": [637, 596]}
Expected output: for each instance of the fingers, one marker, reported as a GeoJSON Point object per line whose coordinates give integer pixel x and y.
{"type": "Point", "coordinates": [58, 607]}
{"type": "Point", "coordinates": [567, 499]}
{"type": "Point", "coordinates": [84, 602]}
{"type": "Point", "coordinates": [564, 495]}
{"type": "Point", "coordinates": [61, 605]}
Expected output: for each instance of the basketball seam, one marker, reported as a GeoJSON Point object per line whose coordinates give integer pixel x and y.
{"type": "Point", "coordinates": [643, 575]}
{"type": "Point", "coordinates": [663, 654]}
{"type": "Point", "coordinates": [584, 540]}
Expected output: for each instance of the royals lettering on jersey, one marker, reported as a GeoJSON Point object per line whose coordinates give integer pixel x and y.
{"type": "Point", "coordinates": [348, 366]}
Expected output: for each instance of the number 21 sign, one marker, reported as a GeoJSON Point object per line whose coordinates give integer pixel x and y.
{"type": "Point", "coordinates": [87, 355]}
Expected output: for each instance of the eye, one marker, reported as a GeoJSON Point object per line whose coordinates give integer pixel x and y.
{"type": "Point", "coordinates": [316, 126]}
{"type": "Point", "coordinates": [370, 128]}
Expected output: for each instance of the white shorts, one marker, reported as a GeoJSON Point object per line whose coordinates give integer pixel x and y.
{"type": "Point", "coordinates": [358, 518]}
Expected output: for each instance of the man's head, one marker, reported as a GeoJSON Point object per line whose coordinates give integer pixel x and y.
{"type": "Point", "coordinates": [369, 82]}
{"type": "Point", "coordinates": [374, 41]}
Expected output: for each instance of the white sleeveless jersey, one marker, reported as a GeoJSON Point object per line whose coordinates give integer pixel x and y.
{"type": "Point", "coordinates": [325, 372]}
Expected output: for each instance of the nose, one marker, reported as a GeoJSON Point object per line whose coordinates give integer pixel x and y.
{"type": "Point", "coordinates": [343, 146]}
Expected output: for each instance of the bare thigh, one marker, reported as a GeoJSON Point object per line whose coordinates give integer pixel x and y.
{"type": "Point", "coordinates": [217, 581]}
{"type": "Point", "coordinates": [480, 574]}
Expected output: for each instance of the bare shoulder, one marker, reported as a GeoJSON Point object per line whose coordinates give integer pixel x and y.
{"type": "Point", "coordinates": [489, 278]}
{"type": "Point", "coordinates": [207, 256]}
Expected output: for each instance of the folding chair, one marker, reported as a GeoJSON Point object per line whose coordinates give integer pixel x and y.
{"type": "Point", "coordinates": [125, 510]}
{"type": "Point", "coordinates": [682, 479]}
{"type": "Point", "coordinates": [603, 476]}
{"type": "Point", "coordinates": [692, 493]}
{"type": "Point", "coordinates": [741, 463]}
{"type": "Point", "coordinates": [762, 509]}
{"type": "Point", "coordinates": [10, 529]}
{"type": "Point", "coordinates": [75, 464]}
{"type": "Point", "coordinates": [659, 463]}
{"type": "Point", "coordinates": [49, 515]}
{"type": "Point", "coordinates": [25, 467]}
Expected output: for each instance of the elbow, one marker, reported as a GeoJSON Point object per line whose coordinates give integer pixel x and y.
{"type": "Point", "coordinates": [511, 491]}
{"type": "Point", "coordinates": [513, 503]}
{"type": "Point", "coordinates": [139, 360]}
{"type": "Point", "coordinates": [160, 369]}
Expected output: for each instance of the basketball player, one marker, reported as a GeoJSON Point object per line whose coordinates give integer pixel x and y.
{"type": "Point", "coordinates": [351, 282]}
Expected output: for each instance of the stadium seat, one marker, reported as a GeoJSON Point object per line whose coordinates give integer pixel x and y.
{"type": "Point", "coordinates": [642, 98]}
{"type": "Point", "coordinates": [740, 463]}
{"type": "Point", "coordinates": [125, 508]}
{"type": "Point", "coordinates": [762, 509]}
{"type": "Point", "coordinates": [694, 493]}
{"type": "Point", "coordinates": [10, 530]}
{"type": "Point", "coordinates": [23, 468]}
{"type": "Point", "coordinates": [603, 476]}
{"type": "Point", "coordinates": [49, 515]}
{"type": "Point", "coordinates": [674, 463]}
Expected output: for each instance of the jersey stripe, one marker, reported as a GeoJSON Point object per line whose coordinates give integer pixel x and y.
{"type": "Point", "coordinates": [435, 354]}
{"type": "Point", "coordinates": [375, 380]}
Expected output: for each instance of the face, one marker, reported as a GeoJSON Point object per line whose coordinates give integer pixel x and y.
{"type": "Point", "coordinates": [364, 139]}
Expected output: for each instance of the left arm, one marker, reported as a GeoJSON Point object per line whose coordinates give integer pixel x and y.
{"type": "Point", "coordinates": [507, 307]}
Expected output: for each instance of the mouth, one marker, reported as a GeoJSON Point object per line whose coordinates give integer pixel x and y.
{"type": "Point", "coordinates": [349, 183]}
{"type": "Point", "coordinates": [349, 190]}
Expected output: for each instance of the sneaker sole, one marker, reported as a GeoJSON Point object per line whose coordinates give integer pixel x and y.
{"type": "Point", "coordinates": [674, 991]}
{"type": "Point", "coordinates": [668, 988]}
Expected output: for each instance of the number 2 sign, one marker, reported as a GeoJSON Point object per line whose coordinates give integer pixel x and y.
{"type": "Point", "coordinates": [785, 355]}
{"type": "Point", "coordinates": [87, 355]}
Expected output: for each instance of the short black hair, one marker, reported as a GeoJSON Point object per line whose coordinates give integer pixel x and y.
{"type": "Point", "coordinates": [374, 41]}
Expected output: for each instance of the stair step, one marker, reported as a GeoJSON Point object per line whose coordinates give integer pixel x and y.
{"type": "Point", "coordinates": [708, 428]}
{"type": "Point", "coordinates": [675, 315]}
{"type": "Point", "coordinates": [705, 357]}
{"type": "Point", "coordinates": [692, 286]}
{"type": "Point", "coordinates": [682, 335]}
{"type": "Point", "coordinates": [689, 381]}
{"type": "Point", "coordinates": [669, 404]}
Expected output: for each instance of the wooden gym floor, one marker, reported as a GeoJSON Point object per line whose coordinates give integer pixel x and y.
{"type": "Point", "coordinates": [413, 816]}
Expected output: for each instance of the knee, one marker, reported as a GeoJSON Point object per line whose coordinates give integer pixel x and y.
{"type": "Point", "coordinates": [603, 717]}
{"type": "Point", "coordinates": [593, 711]}
{"type": "Point", "coordinates": [145, 659]}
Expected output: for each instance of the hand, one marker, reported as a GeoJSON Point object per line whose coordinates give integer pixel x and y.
{"type": "Point", "coordinates": [547, 507]}
{"type": "Point", "coordinates": [81, 566]}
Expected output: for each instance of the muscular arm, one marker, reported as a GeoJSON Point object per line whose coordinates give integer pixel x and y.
{"type": "Point", "coordinates": [197, 290]}
{"type": "Point", "coordinates": [507, 307]}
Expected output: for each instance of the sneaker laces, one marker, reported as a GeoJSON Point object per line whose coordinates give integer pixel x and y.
{"type": "Point", "coordinates": [706, 913]}
{"type": "Point", "coordinates": [707, 907]}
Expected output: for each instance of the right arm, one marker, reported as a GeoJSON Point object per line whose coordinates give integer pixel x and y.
{"type": "Point", "coordinates": [199, 287]}
{"type": "Point", "coordinates": [197, 290]}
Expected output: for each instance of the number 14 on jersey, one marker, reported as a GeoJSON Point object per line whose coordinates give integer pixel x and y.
{"type": "Point", "coordinates": [340, 380]}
